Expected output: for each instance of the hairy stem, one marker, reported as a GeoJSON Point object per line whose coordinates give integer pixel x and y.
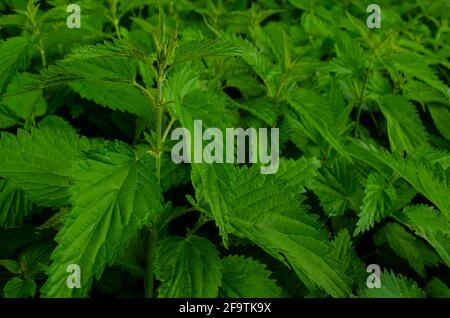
{"type": "Point", "coordinates": [149, 273]}
{"type": "Point", "coordinates": [153, 232]}
{"type": "Point", "coordinates": [159, 120]}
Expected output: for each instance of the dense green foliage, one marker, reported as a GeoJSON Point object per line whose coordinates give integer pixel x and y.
{"type": "Point", "coordinates": [86, 176]}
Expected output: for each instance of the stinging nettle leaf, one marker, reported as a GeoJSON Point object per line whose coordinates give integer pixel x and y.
{"type": "Point", "coordinates": [263, 209]}
{"type": "Point", "coordinates": [409, 247]}
{"type": "Point", "coordinates": [378, 202]}
{"type": "Point", "coordinates": [393, 286]}
{"type": "Point", "coordinates": [14, 206]}
{"type": "Point", "coordinates": [405, 129]}
{"type": "Point", "coordinates": [441, 118]}
{"type": "Point", "coordinates": [315, 109]}
{"type": "Point", "coordinates": [205, 48]}
{"type": "Point", "coordinates": [429, 224]}
{"type": "Point", "coordinates": [427, 177]}
{"type": "Point", "coordinates": [337, 187]}
{"type": "Point", "coordinates": [19, 288]}
{"type": "Point", "coordinates": [115, 194]}
{"type": "Point", "coordinates": [39, 162]}
{"type": "Point", "coordinates": [437, 289]}
{"type": "Point", "coordinates": [25, 105]}
{"type": "Point", "coordinates": [417, 66]}
{"type": "Point", "coordinates": [14, 56]}
{"type": "Point", "coordinates": [188, 268]}
{"type": "Point", "coordinates": [247, 278]}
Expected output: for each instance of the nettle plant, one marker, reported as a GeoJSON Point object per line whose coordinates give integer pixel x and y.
{"type": "Point", "coordinates": [92, 204]}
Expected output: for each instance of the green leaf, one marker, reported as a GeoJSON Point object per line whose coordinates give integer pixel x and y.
{"type": "Point", "coordinates": [351, 59]}
{"type": "Point", "coordinates": [36, 258]}
{"type": "Point", "coordinates": [414, 65]}
{"type": "Point", "coordinates": [108, 81]}
{"type": "Point", "coordinates": [209, 106]}
{"type": "Point", "coordinates": [128, 5]}
{"type": "Point", "coordinates": [431, 225]}
{"type": "Point", "coordinates": [393, 286]}
{"type": "Point", "coordinates": [39, 163]}
{"type": "Point", "coordinates": [115, 194]}
{"type": "Point", "coordinates": [19, 288]}
{"type": "Point", "coordinates": [337, 187]}
{"type": "Point", "coordinates": [10, 265]}
{"type": "Point", "coordinates": [205, 48]}
{"type": "Point", "coordinates": [422, 92]}
{"type": "Point", "coordinates": [247, 278]}
{"type": "Point", "coordinates": [261, 65]}
{"type": "Point", "coordinates": [437, 289]}
{"type": "Point", "coordinates": [188, 268]}
{"type": "Point", "coordinates": [426, 176]}
{"type": "Point", "coordinates": [378, 202]}
{"type": "Point", "coordinates": [12, 20]}
{"type": "Point", "coordinates": [14, 56]}
{"type": "Point", "coordinates": [25, 105]}
{"type": "Point", "coordinates": [118, 96]}
{"type": "Point", "coordinates": [318, 112]}
{"type": "Point", "coordinates": [55, 122]}
{"type": "Point", "coordinates": [15, 238]}
{"type": "Point", "coordinates": [441, 118]}
{"type": "Point", "coordinates": [133, 260]}
{"type": "Point", "coordinates": [7, 117]}
{"type": "Point", "coordinates": [264, 108]}
{"type": "Point", "coordinates": [407, 246]}
{"type": "Point", "coordinates": [264, 209]}
{"type": "Point", "coordinates": [136, 45]}
{"type": "Point", "coordinates": [14, 207]}
{"type": "Point", "coordinates": [173, 175]}
{"type": "Point", "coordinates": [344, 250]}
{"type": "Point", "coordinates": [405, 129]}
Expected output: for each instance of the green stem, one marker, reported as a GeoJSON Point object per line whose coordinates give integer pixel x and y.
{"type": "Point", "coordinates": [149, 273]}
{"type": "Point", "coordinates": [117, 28]}
{"type": "Point", "coordinates": [159, 104]}
{"type": "Point", "coordinates": [42, 53]}
{"type": "Point", "coordinates": [149, 96]}
{"type": "Point", "coordinates": [176, 215]}
{"type": "Point", "coordinates": [159, 120]}
{"type": "Point", "coordinates": [202, 221]}
{"type": "Point", "coordinates": [166, 133]}
{"type": "Point", "coordinates": [114, 19]}
{"type": "Point", "coordinates": [153, 232]}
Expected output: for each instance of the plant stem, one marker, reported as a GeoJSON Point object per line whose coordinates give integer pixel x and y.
{"type": "Point", "coordinates": [115, 19]}
{"type": "Point", "coordinates": [150, 97]}
{"type": "Point", "coordinates": [202, 221]}
{"type": "Point", "coordinates": [176, 215]}
{"type": "Point", "coordinates": [166, 133]}
{"type": "Point", "coordinates": [117, 28]}
{"type": "Point", "coordinates": [42, 53]}
{"type": "Point", "coordinates": [149, 273]}
{"type": "Point", "coordinates": [159, 119]}
{"type": "Point", "coordinates": [153, 232]}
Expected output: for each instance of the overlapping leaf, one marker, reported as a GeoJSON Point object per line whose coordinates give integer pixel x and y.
{"type": "Point", "coordinates": [258, 207]}
{"type": "Point", "coordinates": [188, 267]}
{"type": "Point", "coordinates": [39, 163]}
{"type": "Point", "coordinates": [247, 278]}
{"type": "Point", "coordinates": [115, 194]}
